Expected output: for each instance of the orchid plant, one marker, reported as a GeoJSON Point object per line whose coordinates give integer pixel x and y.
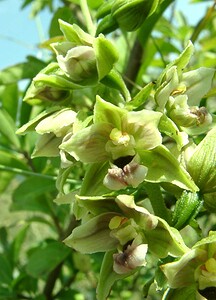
{"type": "Point", "coordinates": [147, 156]}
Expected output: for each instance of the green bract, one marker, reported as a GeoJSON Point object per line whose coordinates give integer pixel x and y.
{"type": "Point", "coordinates": [84, 59]}
{"type": "Point", "coordinates": [202, 163]}
{"type": "Point", "coordinates": [131, 14]}
{"type": "Point", "coordinates": [134, 154]}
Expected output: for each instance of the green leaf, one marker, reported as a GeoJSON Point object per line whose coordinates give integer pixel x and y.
{"type": "Point", "coordinates": [106, 55]}
{"type": "Point", "coordinates": [6, 178]}
{"type": "Point", "coordinates": [6, 293]}
{"type": "Point", "coordinates": [10, 99]}
{"type": "Point", "coordinates": [164, 167]}
{"type": "Point", "coordinates": [8, 128]}
{"type": "Point", "coordinates": [115, 80]}
{"type": "Point", "coordinates": [140, 98]}
{"type": "Point", "coordinates": [94, 4]}
{"type": "Point", "coordinates": [201, 165]}
{"type": "Point", "coordinates": [182, 294]}
{"type": "Point", "coordinates": [27, 195]}
{"type": "Point", "coordinates": [98, 172]}
{"type": "Point", "coordinates": [11, 160]}
{"type": "Point", "coordinates": [21, 71]}
{"type": "Point", "coordinates": [30, 126]}
{"type": "Point", "coordinates": [131, 14]}
{"type": "Point", "coordinates": [63, 13]}
{"type": "Point", "coordinates": [107, 25]}
{"type": "Point", "coordinates": [18, 242]}
{"type": "Point", "coordinates": [46, 258]}
{"type": "Point", "coordinates": [4, 238]}
{"type": "Point", "coordinates": [6, 271]}
{"type": "Point", "coordinates": [180, 62]}
{"type": "Point", "coordinates": [210, 201]}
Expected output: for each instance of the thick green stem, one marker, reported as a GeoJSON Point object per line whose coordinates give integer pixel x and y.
{"type": "Point", "coordinates": [157, 201]}
{"type": "Point", "coordinates": [137, 54]}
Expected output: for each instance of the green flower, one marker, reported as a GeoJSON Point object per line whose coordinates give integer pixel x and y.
{"type": "Point", "coordinates": [52, 125]}
{"type": "Point", "coordinates": [120, 222]}
{"type": "Point", "coordinates": [116, 136]}
{"type": "Point", "coordinates": [179, 95]}
{"type": "Point", "coordinates": [115, 133]}
{"type": "Point", "coordinates": [196, 268]}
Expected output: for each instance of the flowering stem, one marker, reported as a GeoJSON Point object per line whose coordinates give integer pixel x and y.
{"type": "Point", "coordinates": [137, 53]}
{"type": "Point", "coordinates": [87, 16]}
{"type": "Point", "coordinates": [157, 201]}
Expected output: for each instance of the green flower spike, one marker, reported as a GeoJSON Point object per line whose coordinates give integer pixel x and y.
{"type": "Point", "coordinates": [195, 269]}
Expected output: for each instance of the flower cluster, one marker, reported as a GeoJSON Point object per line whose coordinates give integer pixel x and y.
{"type": "Point", "coordinates": [129, 149]}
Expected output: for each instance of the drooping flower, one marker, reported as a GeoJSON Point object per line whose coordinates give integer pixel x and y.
{"type": "Point", "coordinates": [196, 268]}
{"type": "Point", "coordinates": [130, 174]}
{"type": "Point", "coordinates": [134, 256]}
{"type": "Point", "coordinates": [179, 94]}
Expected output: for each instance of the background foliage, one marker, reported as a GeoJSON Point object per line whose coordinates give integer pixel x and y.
{"type": "Point", "coordinates": [35, 264]}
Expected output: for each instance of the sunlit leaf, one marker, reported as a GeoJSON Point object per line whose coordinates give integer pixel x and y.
{"type": "Point", "coordinates": [46, 258]}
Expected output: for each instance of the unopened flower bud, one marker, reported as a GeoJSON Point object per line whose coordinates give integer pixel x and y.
{"type": "Point", "coordinates": [79, 64]}
{"type": "Point", "coordinates": [196, 119]}
{"type": "Point", "coordinates": [44, 93]}
{"type": "Point", "coordinates": [131, 14]}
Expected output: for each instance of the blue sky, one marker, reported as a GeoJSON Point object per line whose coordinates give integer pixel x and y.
{"type": "Point", "coordinates": [19, 34]}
